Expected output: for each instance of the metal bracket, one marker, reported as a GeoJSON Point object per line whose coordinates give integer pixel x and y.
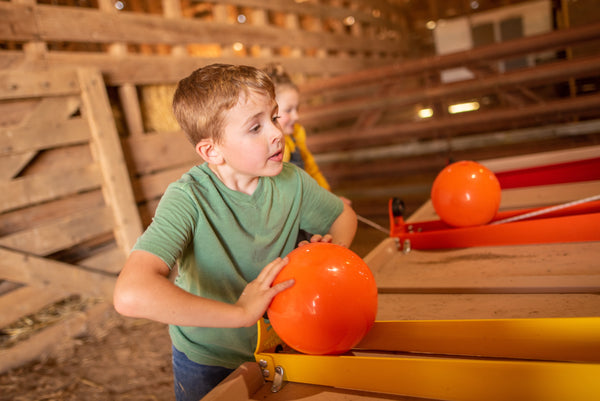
{"type": "Point", "coordinates": [277, 380]}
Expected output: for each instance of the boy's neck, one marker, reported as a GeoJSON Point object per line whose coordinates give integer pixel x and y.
{"type": "Point", "coordinates": [235, 182]}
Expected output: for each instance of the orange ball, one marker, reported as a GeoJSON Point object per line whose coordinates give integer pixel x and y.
{"type": "Point", "coordinates": [466, 194]}
{"type": "Point", "coordinates": [332, 304]}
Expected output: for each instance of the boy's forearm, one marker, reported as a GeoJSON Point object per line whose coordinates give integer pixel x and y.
{"type": "Point", "coordinates": [144, 291]}
{"type": "Point", "coordinates": [343, 228]}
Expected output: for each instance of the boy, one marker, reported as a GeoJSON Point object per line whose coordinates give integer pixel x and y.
{"type": "Point", "coordinates": [227, 222]}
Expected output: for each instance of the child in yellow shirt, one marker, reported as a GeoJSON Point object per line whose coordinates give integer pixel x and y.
{"type": "Point", "coordinates": [288, 98]}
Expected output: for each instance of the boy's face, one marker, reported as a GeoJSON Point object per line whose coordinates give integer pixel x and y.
{"type": "Point", "coordinates": [288, 100]}
{"type": "Point", "coordinates": [252, 142]}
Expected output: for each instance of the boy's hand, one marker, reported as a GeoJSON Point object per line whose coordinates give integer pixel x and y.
{"type": "Point", "coordinates": [258, 294]}
{"type": "Point", "coordinates": [316, 238]}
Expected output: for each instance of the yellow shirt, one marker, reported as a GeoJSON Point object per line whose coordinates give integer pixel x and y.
{"type": "Point", "coordinates": [298, 140]}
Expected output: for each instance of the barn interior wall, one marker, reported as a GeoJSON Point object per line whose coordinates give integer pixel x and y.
{"type": "Point", "coordinates": [363, 81]}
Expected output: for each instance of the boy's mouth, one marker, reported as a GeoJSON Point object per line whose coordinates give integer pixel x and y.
{"type": "Point", "coordinates": [277, 157]}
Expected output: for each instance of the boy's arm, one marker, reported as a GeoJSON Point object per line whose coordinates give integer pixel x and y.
{"type": "Point", "coordinates": [343, 228]}
{"type": "Point", "coordinates": [143, 290]}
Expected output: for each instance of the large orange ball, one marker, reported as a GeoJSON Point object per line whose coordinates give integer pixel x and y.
{"type": "Point", "coordinates": [466, 194]}
{"type": "Point", "coordinates": [332, 304]}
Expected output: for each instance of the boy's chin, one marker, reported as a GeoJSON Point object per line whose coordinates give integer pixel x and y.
{"type": "Point", "coordinates": [275, 169]}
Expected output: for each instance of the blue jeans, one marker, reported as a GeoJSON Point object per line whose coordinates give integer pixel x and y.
{"type": "Point", "coordinates": [192, 380]}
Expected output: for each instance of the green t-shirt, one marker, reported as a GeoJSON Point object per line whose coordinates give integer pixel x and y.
{"type": "Point", "coordinates": [223, 238]}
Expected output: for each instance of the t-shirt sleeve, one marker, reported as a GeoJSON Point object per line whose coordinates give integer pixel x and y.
{"type": "Point", "coordinates": [172, 227]}
{"type": "Point", "coordinates": [320, 208]}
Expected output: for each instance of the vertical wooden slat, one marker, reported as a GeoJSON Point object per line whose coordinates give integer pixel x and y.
{"type": "Point", "coordinates": [172, 9]}
{"type": "Point", "coordinates": [127, 92]}
{"type": "Point", "coordinates": [260, 18]}
{"type": "Point", "coordinates": [220, 15]}
{"type": "Point", "coordinates": [105, 140]}
{"type": "Point", "coordinates": [293, 24]}
{"type": "Point", "coordinates": [34, 49]}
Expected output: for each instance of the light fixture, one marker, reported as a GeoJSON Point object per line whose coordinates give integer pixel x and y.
{"type": "Point", "coordinates": [463, 107]}
{"type": "Point", "coordinates": [425, 113]}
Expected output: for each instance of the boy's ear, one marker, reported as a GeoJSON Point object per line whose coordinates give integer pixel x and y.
{"type": "Point", "coordinates": [208, 151]}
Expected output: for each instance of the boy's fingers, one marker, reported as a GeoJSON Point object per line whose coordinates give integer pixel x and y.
{"type": "Point", "coordinates": [284, 285]}
{"type": "Point", "coordinates": [271, 270]}
{"type": "Point", "coordinates": [321, 238]}
{"type": "Point", "coordinates": [327, 238]}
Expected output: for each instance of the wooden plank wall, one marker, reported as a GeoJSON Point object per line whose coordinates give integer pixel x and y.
{"type": "Point", "coordinates": [312, 38]}
{"type": "Point", "coordinates": [67, 211]}
{"type": "Point", "coordinates": [143, 50]}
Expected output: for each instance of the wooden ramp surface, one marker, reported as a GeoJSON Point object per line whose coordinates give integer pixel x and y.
{"type": "Point", "coordinates": [520, 281]}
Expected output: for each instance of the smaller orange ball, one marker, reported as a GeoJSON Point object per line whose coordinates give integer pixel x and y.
{"type": "Point", "coordinates": [466, 194]}
{"type": "Point", "coordinates": [332, 304]}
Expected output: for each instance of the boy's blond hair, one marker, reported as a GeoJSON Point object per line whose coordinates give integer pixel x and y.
{"type": "Point", "coordinates": [201, 100]}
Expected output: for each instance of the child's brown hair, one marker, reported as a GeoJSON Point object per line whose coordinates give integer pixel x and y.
{"type": "Point", "coordinates": [201, 99]}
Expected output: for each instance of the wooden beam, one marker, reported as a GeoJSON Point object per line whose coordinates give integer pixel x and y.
{"type": "Point", "coordinates": [549, 41]}
{"type": "Point", "coordinates": [544, 74]}
{"type": "Point", "coordinates": [40, 272]}
{"type": "Point", "coordinates": [108, 152]}
{"type": "Point", "coordinates": [48, 124]}
{"type": "Point", "coordinates": [89, 25]}
{"type": "Point", "coordinates": [347, 139]}
{"type": "Point", "coordinates": [442, 146]}
{"type": "Point", "coordinates": [48, 186]}
{"type": "Point", "coordinates": [384, 19]}
{"type": "Point", "coordinates": [45, 239]}
{"type": "Point", "coordinates": [160, 69]}
{"type": "Point", "coordinates": [21, 84]}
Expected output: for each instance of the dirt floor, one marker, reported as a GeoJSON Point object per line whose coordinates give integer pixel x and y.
{"type": "Point", "coordinates": [131, 362]}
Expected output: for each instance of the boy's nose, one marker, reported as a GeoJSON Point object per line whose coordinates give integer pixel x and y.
{"type": "Point", "coordinates": [277, 135]}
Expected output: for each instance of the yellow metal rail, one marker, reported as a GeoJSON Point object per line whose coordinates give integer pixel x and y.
{"type": "Point", "coordinates": [493, 360]}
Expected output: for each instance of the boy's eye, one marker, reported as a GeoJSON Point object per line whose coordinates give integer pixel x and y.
{"type": "Point", "coordinates": [275, 118]}
{"type": "Point", "coordinates": [255, 128]}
